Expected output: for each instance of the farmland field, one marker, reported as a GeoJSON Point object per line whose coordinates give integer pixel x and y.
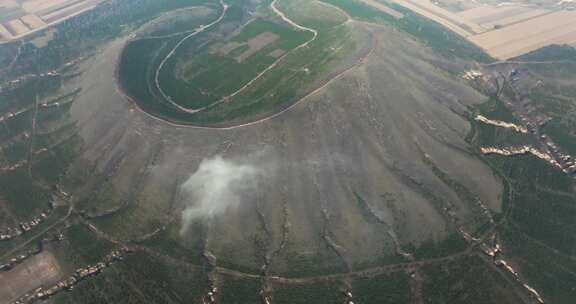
{"type": "Point", "coordinates": [219, 70]}
{"type": "Point", "coordinates": [503, 31]}
{"type": "Point", "coordinates": [22, 18]}
{"type": "Point", "coordinates": [239, 79]}
{"type": "Point", "coordinates": [47, 271]}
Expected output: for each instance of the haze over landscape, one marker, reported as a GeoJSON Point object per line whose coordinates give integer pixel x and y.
{"type": "Point", "coordinates": [288, 151]}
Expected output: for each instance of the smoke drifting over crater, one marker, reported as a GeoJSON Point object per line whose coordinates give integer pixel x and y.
{"type": "Point", "coordinates": [217, 185]}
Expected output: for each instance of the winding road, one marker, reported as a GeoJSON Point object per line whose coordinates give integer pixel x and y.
{"type": "Point", "coordinates": [199, 30]}
{"type": "Point", "coordinates": [283, 16]}
{"type": "Point", "coordinates": [248, 84]}
{"type": "Point", "coordinates": [273, 65]}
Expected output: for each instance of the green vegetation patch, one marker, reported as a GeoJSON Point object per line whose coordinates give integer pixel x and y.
{"type": "Point", "coordinates": [484, 135]}
{"type": "Point", "coordinates": [222, 68]}
{"type": "Point", "coordinates": [286, 83]}
{"type": "Point", "coordinates": [320, 260]}
{"type": "Point", "coordinates": [444, 41]}
{"type": "Point", "coordinates": [454, 243]}
{"type": "Point", "coordinates": [543, 197]}
{"type": "Point", "coordinates": [142, 279]}
{"type": "Point", "coordinates": [382, 289]}
{"type": "Point", "coordinates": [549, 53]}
{"type": "Point", "coordinates": [17, 151]}
{"type": "Point", "coordinates": [496, 110]}
{"type": "Point", "coordinates": [182, 20]}
{"type": "Point", "coordinates": [202, 71]}
{"type": "Point", "coordinates": [51, 167]}
{"type": "Point", "coordinates": [188, 248]}
{"type": "Point", "coordinates": [77, 36]}
{"type": "Point", "coordinates": [239, 290]}
{"type": "Point", "coordinates": [548, 271]}
{"type": "Point", "coordinates": [324, 293]}
{"type": "Point", "coordinates": [466, 280]}
{"type": "Point", "coordinates": [538, 230]}
{"type": "Point", "coordinates": [312, 14]}
{"type": "Point", "coordinates": [565, 138]}
{"type": "Point", "coordinates": [22, 194]}
{"type": "Point", "coordinates": [84, 247]}
{"type": "Point", "coordinates": [361, 11]}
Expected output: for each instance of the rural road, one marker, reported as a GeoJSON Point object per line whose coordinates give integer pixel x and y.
{"type": "Point", "coordinates": [200, 29]}
{"type": "Point", "coordinates": [249, 83]}
{"type": "Point", "coordinates": [282, 15]}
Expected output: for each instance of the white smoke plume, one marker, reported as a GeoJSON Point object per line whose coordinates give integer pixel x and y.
{"type": "Point", "coordinates": [217, 185]}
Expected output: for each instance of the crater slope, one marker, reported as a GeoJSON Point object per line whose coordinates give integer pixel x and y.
{"type": "Point", "coordinates": [362, 170]}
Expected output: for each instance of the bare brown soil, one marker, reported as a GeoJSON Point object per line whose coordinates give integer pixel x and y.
{"type": "Point", "coordinates": [257, 43]}
{"type": "Point", "coordinates": [39, 270]}
{"type": "Point", "coordinates": [520, 38]}
{"type": "Point", "coordinates": [277, 53]}
{"type": "Point", "coordinates": [506, 31]}
{"type": "Point", "coordinates": [33, 21]}
{"type": "Point", "coordinates": [34, 15]}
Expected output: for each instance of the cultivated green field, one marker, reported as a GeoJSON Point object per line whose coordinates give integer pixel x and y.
{"type": "Point", "coordinates": [250, 74]}
{"type": "Point", "coordinates": [434, 35]}
{"type": "Point", "coordinates": [197, 78]}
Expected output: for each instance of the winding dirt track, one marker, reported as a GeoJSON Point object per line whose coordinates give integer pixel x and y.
{"type": "Point", "coordinates": [470, 250]}
{"type": "Point", "coordinates": [324, 84]}
{"type": "Point", "coordinates": [247, 85]}
{"type": "Point", "coordinates": [273, 65]}
{"type": "Point", "coordinates": [337, 76]}
{"type": "Point", "coordinates": [200, 29]}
